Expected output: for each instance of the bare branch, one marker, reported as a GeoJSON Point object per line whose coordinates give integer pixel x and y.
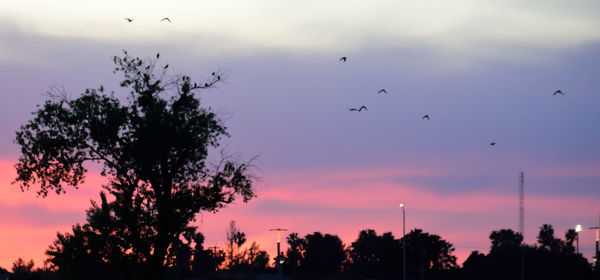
{"type": "Point", "coordinates": [57, 92]}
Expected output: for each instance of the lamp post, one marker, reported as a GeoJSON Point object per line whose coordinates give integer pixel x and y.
{"type": "Point", "coordinates": [279, 258]}
{"type": "Point", "coordinates": [403, 241]}
{"type": "Point", "coordinates": [597, 253]}
{"type": "Point", "coordinates": [577, 230]}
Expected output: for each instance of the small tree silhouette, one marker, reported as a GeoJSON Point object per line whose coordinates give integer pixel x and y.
{"type": "Point", "coordinates": [235, 240]}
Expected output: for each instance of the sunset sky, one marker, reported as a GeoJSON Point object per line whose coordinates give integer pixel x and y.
{"type": "Point", "coordinates": [484, 71]}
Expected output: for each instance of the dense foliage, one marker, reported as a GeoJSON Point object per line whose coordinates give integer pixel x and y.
{"type": "Point", "coordinates": [152, 144]}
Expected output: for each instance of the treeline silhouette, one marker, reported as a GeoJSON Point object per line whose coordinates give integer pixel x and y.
{"type": "Point", "coordinates": [325, 256]}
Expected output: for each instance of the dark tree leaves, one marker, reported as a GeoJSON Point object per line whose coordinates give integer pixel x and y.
{"type": "Point", "coordinates": [152, 145]}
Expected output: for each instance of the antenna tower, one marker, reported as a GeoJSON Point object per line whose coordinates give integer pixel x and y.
{"type": "Point", "coordinates": [522, 219]}
{"type": "Point", "coordinates": [522, 203]}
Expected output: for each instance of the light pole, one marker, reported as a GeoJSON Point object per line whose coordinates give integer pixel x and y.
{"type": "Point", "coordinates": [577, 230]}
{"type": "Point", "coordinates": [279, 258]}
{"type": "Point", "coordinates": [403, 241]}
{"type": "Point", "coordinates": [597, 253]}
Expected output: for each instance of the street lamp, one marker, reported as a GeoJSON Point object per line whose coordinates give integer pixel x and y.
{"type": "Point", "coordinates": [597, 255]}
{"type": "Point", "coordinates": [577, 230]}
{"type": "Point", "coordinates": [401, 205]}
{"type": "Point", "coordinates": [279, 258]}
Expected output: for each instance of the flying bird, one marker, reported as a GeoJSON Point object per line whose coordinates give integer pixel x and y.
{"type": "Point", "coordinates": [167, 19]}
{"type": "Point", "coordinates": [128, 19]}
{"type": "Point", "coordinates": [493, 143]}
{"type": "Point", "coordinates": [558, 92]}
{"type": "Point", "coordinates": [343, 59]}
{"type": "Point", "coordinates": [426, 117]}
{"type": "Point", "coordinates": [359, 109]}
{"type": "Point", "coordinates": [382, 91]}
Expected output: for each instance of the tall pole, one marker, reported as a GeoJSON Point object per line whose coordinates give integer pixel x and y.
{"type": "Point", "coordinates": [403, 242]}
{"type": "Point", "coordinates": [597, 256]}
{"type": "Point", "coordinates": [522, 204]}
{"type": "Point", "coordinates": [279, 260]}
{"type": "Point", "coordinates": [577, 236]}
{"type": "Point", "coordinates": [577, 230]}
{"type": "Point", "coordinates": [522, 220]}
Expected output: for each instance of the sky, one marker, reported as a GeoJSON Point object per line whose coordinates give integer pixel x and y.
{"type": "Point", "coordinates": [484, 71]}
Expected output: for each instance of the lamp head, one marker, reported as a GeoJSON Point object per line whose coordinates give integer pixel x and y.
{"type": "Point", "coordinates": [578, 228]}
{"type": "Point", "coordinates": [401, 205]}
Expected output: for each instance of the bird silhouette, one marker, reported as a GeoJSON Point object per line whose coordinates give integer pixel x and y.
{"type": "Point", "coordinates": [157, 55]}
{"type": "Point", "coordinates": [558, 92]}
{"type": "Point", "coordinates": [166, 66]}
{"type": "Point", "coordinates": [493, 143]}
{"type": "Point", "coordinates": [128, 19]}
{"type": "Point", "coordinates": [363, 107]}
{"type": "Point", "coordinates": [167, 19]}
{"type": "Point", "coordinates": [343, 59]}
{"type": "Point", "coordinates": [382, 91]}
{"type": "Point", "coordinates": [426, 117]}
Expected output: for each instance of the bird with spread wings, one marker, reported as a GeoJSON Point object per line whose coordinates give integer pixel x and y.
{"type": "Point", "coordinates": [363, 107]}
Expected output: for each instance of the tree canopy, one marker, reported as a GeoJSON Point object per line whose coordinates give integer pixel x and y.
{"type": "Point", "coordinates": [375, 255]}
{"type": "Point", "coordinates": [315, 254]}
{"type": "Point", "coordinates": [551, 258]}
{"type": "Point", "coordinates": [152, 144]}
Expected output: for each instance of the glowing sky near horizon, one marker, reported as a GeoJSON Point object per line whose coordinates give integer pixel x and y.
{"type": "Point", "coordinates": [483, 70]}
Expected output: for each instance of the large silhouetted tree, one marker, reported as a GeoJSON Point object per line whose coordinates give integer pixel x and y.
{"type": "Point", "coordinates": [152, 144]}
{"type": "Point", "coordinates": [504, 259]}
{"type": "Point", "coordinates": [428, 254]}
{"type": "Point", "coordinates": [323, 254]}
{"type": "Point", "coordinates": [505, 239]}
{"type": "Point", "coordinates": [373, 255]}
{"type": "Point", "coordinates": [315, 254]}
{"type": "Point", "coordinates": [474, 266]}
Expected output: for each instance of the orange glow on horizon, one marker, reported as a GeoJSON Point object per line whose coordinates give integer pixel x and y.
{"type": "Point", "coordinates": [335, 203]}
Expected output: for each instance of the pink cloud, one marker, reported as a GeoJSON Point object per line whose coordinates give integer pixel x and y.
{"type": "Point", "coordinates": [74, 199]}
